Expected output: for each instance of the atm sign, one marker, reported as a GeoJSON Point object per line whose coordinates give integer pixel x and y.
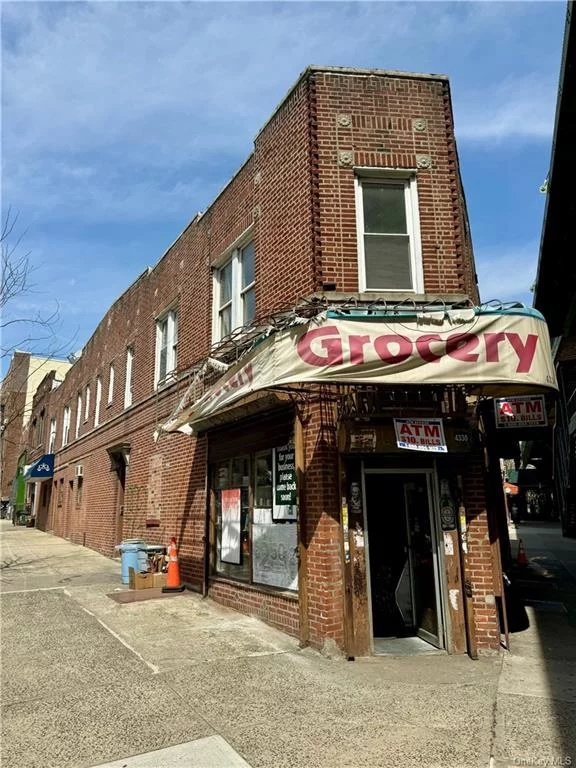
{"type": "Point", "coordinates": [420, 435]}
{"type": "Point", "coordinates": [528, 411]}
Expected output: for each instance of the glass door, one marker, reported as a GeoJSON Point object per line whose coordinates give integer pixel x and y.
{"type": "Point", "coordinates": [423, 559]}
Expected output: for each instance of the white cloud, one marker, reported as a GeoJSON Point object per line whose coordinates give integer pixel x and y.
{"type": "Point", "coordinates": [507, 273]}
{"type": "Point", "coordinates": [119, 110]}
{"type": "Point", "coordinates": [519, 108]}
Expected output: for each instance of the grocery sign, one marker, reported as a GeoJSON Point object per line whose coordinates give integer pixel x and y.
{"type": "Point", "coordinates": [527, 411]}
{"type": "Point", "coordinates": [492, 353]}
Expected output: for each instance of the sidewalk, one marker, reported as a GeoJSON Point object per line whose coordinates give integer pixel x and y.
{"type": "Point", "coordinates": [536, 702]}
{"type": "Point", "coordinates": [92, 681]}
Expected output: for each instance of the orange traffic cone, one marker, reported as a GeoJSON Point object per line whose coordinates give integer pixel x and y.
{"type": "Point", "coordinates": [521, 559]}
{"type": "Point", "coordinates": [173, 582]}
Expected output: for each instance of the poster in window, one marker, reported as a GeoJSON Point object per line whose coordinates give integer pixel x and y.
{"type": "Point", "coordinates": [275, 554]}
{"type": "Point", "coordinates": [231, 516]}
{"type": "Point", "coordinates": [285, 494]}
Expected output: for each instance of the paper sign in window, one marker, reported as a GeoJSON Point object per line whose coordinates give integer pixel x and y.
{"type": "Point", "coordinates": [231, 516]}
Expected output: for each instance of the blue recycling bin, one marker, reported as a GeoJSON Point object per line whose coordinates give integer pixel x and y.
{"type": "Point", "coordinates": [133, 555]}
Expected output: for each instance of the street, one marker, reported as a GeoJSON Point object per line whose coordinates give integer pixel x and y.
{"type": "Point", "coordinates": [87, 681]}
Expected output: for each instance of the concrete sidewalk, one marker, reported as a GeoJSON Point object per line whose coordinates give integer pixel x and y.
{"type": "Point", "coordinates": [87, 681]}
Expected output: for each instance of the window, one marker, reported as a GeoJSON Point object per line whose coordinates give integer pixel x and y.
{"type": "Point", "coordinates": [52, 442]}
{"type": "Point", "coordinates": [111, 384]}
{"type": "Point", "coordinates": [87, 404]}
{"type": "Point", "coordinates": [78, 415]}
{"type": "Point", "coordinates": [388, 235]}
{"type": "Point", "coordinates": [66, 425]}
{"type": "Point", "coordinates": [235, 292]}
{"type": "Point", "coordinates": [128, 379]}
{"type": "Point", "coordinates": [166, 343]}
{"type": "Point", "coordinates": [255, 512]}
{"type": "Point", "coordinates": [98, 401]}
{"type": "Point", "coordinates": [40, 429]}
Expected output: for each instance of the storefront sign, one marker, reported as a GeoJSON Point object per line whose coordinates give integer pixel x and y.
{"type": "Point", "coordinates": [363, 441]}
{"type": "Point", "coordinates": [231, 515]}
{"type": "Point", "coordinates": [420, 435]}
{"type": "Point", "coordinates": [520, 412]}
{"type": "Point", "coordinates": [285, 493]}
{"type": "Point", "coordinates": [491, 352]}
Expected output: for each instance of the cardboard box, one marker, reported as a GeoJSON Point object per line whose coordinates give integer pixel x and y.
{"type": "Point", "coordinates": [158, 579]}
{"type": "Point", "coordinates": [140, 580]}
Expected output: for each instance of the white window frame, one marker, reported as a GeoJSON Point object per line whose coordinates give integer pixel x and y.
{"type": "Point", "coordinates": [232, 255]}
{"type": "Point", "coordinates": [66, 426]}
{"type": "Point", "coordinates": [129, 375]}
{"type": "Point", "coordinates": [111, 384]}
{"type": "Point", "coordinates": [366, 176]}
{"type": "Point", "coordinates": [78, 415]}
{"type": "Point", "coordinates": [98, 402]}
{"type": "Point", "coordinates": [168, 318]}
{"type": "Point", "coordinates": [52, 438]}
{"type": "Point", "coordinates": [87, 403]}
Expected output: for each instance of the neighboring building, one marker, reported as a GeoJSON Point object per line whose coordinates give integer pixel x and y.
{"type": "Point", "coordinates": [328, 289]}
{"type": "Point", "coordinates": [17, 390]}
{"type": "Point", "coordinates": [555, 290]}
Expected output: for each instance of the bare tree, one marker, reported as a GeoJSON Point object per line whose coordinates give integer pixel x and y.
{"type": "Point", "coordinates": [36, 332]}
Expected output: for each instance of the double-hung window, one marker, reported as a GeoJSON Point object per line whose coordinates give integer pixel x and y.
{"type": "Point", "coordinates": [66, 425]}
{"type": "Point", "coordinates": [235, 292]}
{"type": "Point", "coordinates": [166, 344]}
{"type": "Point", "coordinates": [98, 401]}
{"type": "Point", "coordinates": [52, 441]}
{"type": "Point", "coordinates": [129, 377]}
{"type": "Point", "coordinates": [87, 403]}
{"type": "Point", "coordinates": [389, 249]}
{"type": "Point", "coordinates": [78, 415]}
{"type": "Point", "coordinates": [111, 384]}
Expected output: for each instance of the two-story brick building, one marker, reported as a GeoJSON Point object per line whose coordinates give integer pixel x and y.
{"type": "Point", "coordinates": [291, 390]}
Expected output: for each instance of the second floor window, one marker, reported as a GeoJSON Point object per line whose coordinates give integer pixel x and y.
{"type": "Point", "coordinates": [87, 403]}
{"type": "Point", "coordinates": [52, 441]}
{"type": "Point", "coordinates": [166, 343]}
{"type": "Point", "coordinates": [129, 376]}
{"type": "Point", "coordinates": [40, 429]}
{"type": "Point", "coordinates": [98, 401]}
{"type": "Point", "coordinates": [66, 426]}
{"type": "Point", "coordinates": [111, 383]}
{"type": "Point", "coordinates": [78, 415]}
{"type": "Point", "coordinates": [235, 292]}
{"type": "Point", "coordinates": [389, 253]}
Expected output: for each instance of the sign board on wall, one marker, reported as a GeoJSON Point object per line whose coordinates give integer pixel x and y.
{"type": "Point", "coordinates": [420, 435]}
{"type": "Point", "coordinates": [285, 494]}
{"type": "Point", "coordinates": [274, 554]}
{"type": "Point", "coordinates": [526, 411]}
{"type": "Point", "coordinates": [231, 517]}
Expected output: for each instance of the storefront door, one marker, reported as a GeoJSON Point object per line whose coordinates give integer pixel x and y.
{"type": "Point", "coordinates": [403, 557]}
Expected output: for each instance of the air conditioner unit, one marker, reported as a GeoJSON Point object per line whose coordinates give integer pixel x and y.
{"type": "Point", "coordinates": [79, 470]}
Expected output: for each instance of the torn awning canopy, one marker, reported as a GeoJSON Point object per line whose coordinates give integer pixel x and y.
{"type": "Point", "coordinates": [492, 352]}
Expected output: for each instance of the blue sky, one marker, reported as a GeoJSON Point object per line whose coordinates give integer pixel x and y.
{"type": "Point", "coordinates": [121, 120]}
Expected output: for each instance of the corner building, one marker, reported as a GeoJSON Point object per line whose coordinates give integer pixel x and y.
{"type": "Point", "coordinates": [295, 390]}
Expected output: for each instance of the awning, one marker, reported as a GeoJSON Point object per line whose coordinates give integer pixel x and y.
{"type": "Point", "coordinates": [41, 469]}
{"type": "Point", "coordinates": [490, 351]}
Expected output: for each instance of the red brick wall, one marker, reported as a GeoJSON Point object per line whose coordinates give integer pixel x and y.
{"type": "Point", "coordinates": [381, 134]}
{"type": "Point", "coordinates": [300, 204]}
{"type": "Point", "coordinates": [274, 608]}
{"type": "Point", "coordinates": [479, 559]}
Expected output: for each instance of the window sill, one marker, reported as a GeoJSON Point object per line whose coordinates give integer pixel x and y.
{"type": "Point", "coordinates": [264, 588]}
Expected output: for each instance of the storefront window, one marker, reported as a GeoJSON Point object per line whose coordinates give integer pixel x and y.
{"type": "Point", "coordinates": [256, 537]}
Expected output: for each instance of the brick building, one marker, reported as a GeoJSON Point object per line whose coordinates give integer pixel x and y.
{"type": "Point", "coordinates": [242, 394]}
{"type": "Point", "coordinates": [17, 390]}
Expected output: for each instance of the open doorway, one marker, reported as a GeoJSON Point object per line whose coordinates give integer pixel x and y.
{"type": "Point", "coordinates": [403, 558]}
